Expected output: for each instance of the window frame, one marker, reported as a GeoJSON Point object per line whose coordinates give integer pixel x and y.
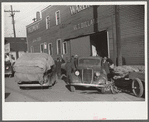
{"type": "Point", "coordinates": [43, 48]}
{"type": "Point", "coordinates": [45, 45]}
{"type": "Point", "coordinates": [50, 51]}
{"type": "Point", "coordinates": [56, 17]}
{"type": "Point", "coordinates": [65, 51]}
{"type": "Point", "coordinates": [58, 53]}
{"type": "Point", "coordinates": [47, 22]}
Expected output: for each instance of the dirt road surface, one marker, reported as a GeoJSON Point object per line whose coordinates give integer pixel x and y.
{"type": "Point", "coordinates": [60, 93]}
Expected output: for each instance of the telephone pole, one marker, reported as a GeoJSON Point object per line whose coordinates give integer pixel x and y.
{"type": "Point", "coordinates": [12, 13]}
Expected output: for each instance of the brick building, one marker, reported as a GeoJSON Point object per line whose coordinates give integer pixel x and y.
{"type": "Point", "coordinates": [85, 30]}
{"type": "Point", "coordinates": [15, 46]}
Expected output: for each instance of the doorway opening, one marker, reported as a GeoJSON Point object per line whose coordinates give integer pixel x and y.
{"type": "Point", "coordinates": [99, 44]}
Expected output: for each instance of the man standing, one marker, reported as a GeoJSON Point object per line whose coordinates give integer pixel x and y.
{"type": "Point", "coordinates": [69, 68]}
{"type": "Point", "coordinates": [108, 66]}
{"type": "Point", "coordinates": [58, 67]}
{"type": "Point", "coordinates": [75, 61]}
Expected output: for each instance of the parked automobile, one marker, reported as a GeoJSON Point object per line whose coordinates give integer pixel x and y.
{"type": "Point", "coordinates": [35, 70]}
{"type": "Point", "coordinates": [90, 73]}
{"type": "Point", "coordinates": [8, 69]}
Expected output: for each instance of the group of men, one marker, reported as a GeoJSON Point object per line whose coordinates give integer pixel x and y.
{"type": "Point", "coordinates": [71, 66]}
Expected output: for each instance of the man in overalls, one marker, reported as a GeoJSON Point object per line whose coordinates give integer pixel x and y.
{"type": "Point", "coordinates": [69, 68]}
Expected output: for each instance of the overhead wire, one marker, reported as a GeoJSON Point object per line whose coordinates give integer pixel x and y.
{"type": "Point", "coordinates": [28, 12]}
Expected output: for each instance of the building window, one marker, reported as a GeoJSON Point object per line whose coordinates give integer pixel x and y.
{"type": "Point", "coordinates": [32, 49]}
{"type": "Point", "coordinates": [50, 50]}
{"type": "Point", "coordinates": [64, 48]}
{"type": "Point", "coordinates": [45, 45]}
{"type": "Point", "coordinates": [42, 48]}
{"type": "Point", "coordinates": [57, 16]}
{"type": "Point", "coordinates": [47, 22]}
{"type": "Point", "coordinates": [58, 46]}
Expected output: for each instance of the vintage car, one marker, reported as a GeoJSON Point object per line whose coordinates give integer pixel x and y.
{"type": "Point", "coordinates": [8, 69]}
{"type": "Point", "coordinates": [35, 70]}
{"type": "Point", "coordinates": [90, 73]}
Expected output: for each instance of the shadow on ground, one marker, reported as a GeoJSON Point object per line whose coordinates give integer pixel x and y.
{"type": "Point", "coordinates": [6, 95]}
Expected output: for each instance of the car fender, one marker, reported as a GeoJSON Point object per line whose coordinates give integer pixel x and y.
{"type": "Point", "coordinates": [75, 78]}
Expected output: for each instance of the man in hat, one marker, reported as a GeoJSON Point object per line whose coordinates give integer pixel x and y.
{"type": "Point", "coordinates": [108, 66]}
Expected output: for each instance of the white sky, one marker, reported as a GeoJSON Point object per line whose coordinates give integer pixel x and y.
{"type": "Point", "coordinates": [22, 18]}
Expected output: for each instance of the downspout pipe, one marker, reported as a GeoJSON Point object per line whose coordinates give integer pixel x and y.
{"type": "Point", "coordinates": [118, 36]}
{"type": "Point", "coordinates": [95, 14]}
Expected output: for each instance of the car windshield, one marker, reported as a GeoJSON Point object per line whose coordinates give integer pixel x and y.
{"type": "Point", "coordinates": [89, 61]}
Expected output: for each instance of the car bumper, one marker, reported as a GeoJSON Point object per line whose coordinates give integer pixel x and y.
{"type": "Point", "coordinates": [89, 85]}
{"type": "Point", "coordinates": [33, 85]}
{"type": "Point", "coordinates": [8, 73]}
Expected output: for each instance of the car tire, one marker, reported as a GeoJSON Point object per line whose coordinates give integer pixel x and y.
{"type": "Point", "coordinates": [137, 87]}
{"type": "Point", "coordinates": [103, 90]}
{"type": "Point", "coordinates": [72, 89]}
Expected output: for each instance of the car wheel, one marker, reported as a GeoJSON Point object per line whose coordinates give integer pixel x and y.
{"type": "Point", "coordinates": [137, 87]}
{"type": "Point", "coordinates": [72, 89]}
{"type": "Point", "coordinates": [103, 90]}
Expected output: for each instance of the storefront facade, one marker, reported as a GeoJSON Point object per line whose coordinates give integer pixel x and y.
{"type": "Point", "coordinates": [89, 31]}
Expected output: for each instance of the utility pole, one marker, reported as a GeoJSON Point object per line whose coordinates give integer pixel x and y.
{"type": "Point", "coordinates": [118, 36]}
{"type": "Point", "coordinates": [12, 13]}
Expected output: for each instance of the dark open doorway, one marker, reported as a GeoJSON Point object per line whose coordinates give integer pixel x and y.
{"type": "Point", "coordinates": [99, 41]}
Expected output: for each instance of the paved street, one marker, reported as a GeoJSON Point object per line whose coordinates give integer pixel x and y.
{"type": "Point", "coordinates": [59, 92]}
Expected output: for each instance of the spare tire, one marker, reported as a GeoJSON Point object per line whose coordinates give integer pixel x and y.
{"type": "Point", "coordinates": [137, 87]}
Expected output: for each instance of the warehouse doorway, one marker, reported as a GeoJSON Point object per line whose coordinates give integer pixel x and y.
{"type": "Point", "coordinates": [80, 46]}
{"type": "Point", "coordinates": [99, 44]}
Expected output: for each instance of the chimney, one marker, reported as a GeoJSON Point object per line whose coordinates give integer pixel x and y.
{"type": "Point", "coordinates": [38, 15]}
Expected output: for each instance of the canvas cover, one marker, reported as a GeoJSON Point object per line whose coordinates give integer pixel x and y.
{"type": "Point", "coordinates": [28, 77]}
{"type": "Point", "coordinates": [124, 71]}
{"type": "Point", "coordinates": [33, 63]}
{"type": "Point", "coordinates": [29, 69]}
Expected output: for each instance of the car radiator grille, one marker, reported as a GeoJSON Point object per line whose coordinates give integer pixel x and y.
{"type": "Point", "coordinates": [87, 75]}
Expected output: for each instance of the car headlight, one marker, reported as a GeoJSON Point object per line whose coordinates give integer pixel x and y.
{"type": "Point", "coordinates": [77, 73]}
{"type": "Point", "coordinates": [97, 74]}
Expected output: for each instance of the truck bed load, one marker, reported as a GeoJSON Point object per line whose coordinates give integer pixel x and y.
{"type": "Point", "coordinates": [28, 77]}
{"type": "Point", "coordinates": [32, 66]}
{"type": "Point", "coordinates": [124, 71]}
{"type": "Point", "coordinates": [33, 63]}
